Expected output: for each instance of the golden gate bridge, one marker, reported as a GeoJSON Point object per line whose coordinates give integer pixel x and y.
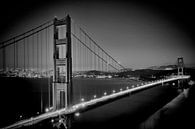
{"type": "Point", "coordinates": [61, 50]}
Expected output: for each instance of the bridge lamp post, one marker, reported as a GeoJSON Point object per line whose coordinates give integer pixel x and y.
{"type": "Point", "coordinates": [105, 93]}
{"type": "Point", "coordinates": [121, 89]}
{"type": "Point", "coordinates": [113, 91]}
{"type": "Point", "coordinates": [132, 86]}
{"type": "Point", "coordinates": [127, 87]}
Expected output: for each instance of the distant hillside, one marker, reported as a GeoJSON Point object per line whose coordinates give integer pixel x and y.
{"type": "Point", "coordinates": [151, 73]}
{"type": "Point", "coordinates": [164, 67]}
{"type": "Point", "coordinates": [147, 73]}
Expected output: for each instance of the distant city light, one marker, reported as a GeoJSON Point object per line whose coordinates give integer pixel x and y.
{"type": "Point", "coordinates": [37, 113]}
{"type": "Point", "coordinates": [82, 99]}
{"type": "Point", "coordinates": [20, 116]}
{"type": "Point", "coordinates": [52, 120]}
{"type": "Point", "coordinates": [94, 96]}
{"type": "Point", "coordinates": [191, 83]}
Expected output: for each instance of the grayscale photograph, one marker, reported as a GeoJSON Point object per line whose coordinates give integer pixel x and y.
{"type": "Point", "coordinates": [97, 64]}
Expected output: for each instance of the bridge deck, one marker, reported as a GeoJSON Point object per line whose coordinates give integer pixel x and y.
{"type": "Point", "coordinates": [77, 107]}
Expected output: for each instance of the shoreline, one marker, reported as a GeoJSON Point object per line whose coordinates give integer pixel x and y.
{"type": "Point", "coordinates": [170, 115]}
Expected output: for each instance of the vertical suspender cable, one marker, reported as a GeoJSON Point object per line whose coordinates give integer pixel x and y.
{"type": "Point", "coordinates": [102, 61]}
{"type": "Point", "coordinates": [99, 67]}
{"type": "Point", "coordinates": [4, 57]}
{"type": "Point", "coordinates": [17, 55]}
{"type": "Point", "coordinates": [37, 53]}
{"type": "Point", "coordinates": [76, 53]}
{"type": "Point", "coordinates": [81, 60]}
{"type": "Point", "coordinates": [90, 58]}
{"type": "Point", "coordinates": [24, 54]}
{"type": "Point", "coordinates": [14, 53]}
{"type": "Point", "coordinates": [95, 59]}
{"type": "Point", "coordinates": [28, 54]}
{"type": "Point", "coordinates": [33, 51]}
{"type": "Point", "coordinates": [48, 78]}
{"type": "Point", "coordinates": [41, 37]}
{"type": "Point", "coordinates": [79, 56]}
{"type": "Point", "coordinates": [46, 40]}
{"type": "Point", "coordinates": [85, 55]}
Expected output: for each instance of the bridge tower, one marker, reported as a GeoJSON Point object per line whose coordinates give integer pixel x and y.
{"type": "Point", "coordinates": [62, 86]}
{"type": "Point", "coordinates": [180, 71]}
{"type": "Point", "coordinates": [180, 66]}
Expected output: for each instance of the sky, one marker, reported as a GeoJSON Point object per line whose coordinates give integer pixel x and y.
{"type": "Point", "coordinates": [137, 34]}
